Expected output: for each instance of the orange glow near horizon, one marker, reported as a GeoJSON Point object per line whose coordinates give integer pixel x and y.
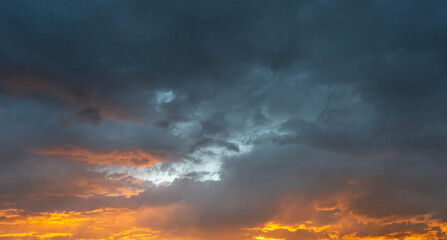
{"type": "Point", "coordinates": [106, 223]}
{"type": "Point", "coordinates": [271, 226]}
{"type": "Point", "coordinates": [263, 238]}
{"type": "Point", "coordinates": [274, 231]}
{"type": "Point", "coordinates": [115, 224]}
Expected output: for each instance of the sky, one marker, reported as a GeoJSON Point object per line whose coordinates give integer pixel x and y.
{"type": "Point", "coordinates": [223, 120]}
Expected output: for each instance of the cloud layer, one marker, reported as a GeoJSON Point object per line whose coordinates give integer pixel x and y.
{"type": "Point", "coordinates": [223, 120]}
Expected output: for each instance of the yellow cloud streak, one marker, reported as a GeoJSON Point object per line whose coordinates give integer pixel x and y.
{"type": "Point", "coordinates": [271, 226]}
{"type": "Point", "coordinates": [98, 224]}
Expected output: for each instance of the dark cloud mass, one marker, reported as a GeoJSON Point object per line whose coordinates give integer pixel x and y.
{"type": "Point", "coordinates": [248, 120]}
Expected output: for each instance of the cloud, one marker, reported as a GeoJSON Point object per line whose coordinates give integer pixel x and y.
{"type": "Point", "coordinates": [90, 115]}
{"type": "Point", "coordinates": [223, 120]}
{"type": "Point", "coordinates": [136, 157]}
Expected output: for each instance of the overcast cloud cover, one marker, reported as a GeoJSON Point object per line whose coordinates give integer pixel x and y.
{"type": "Point", "coordinates": [234, 120]}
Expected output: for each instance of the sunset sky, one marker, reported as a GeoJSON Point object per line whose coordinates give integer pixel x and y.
{"type": "Point", "coordinates": [223, 120]}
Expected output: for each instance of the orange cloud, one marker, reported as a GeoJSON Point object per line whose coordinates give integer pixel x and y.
{"type": "Point", "coordinates": [272, 226]}
{"type": "Point", "coordinates": [113, 186]}
{"type": "Point", "coordinates": [263, 238]}
{"type": "Point", "coordinates": [131, 158]}
{"type": "Point", "coordinates": [334, 220]}
{"type": "Point", "coordinates": [92, 189]}
{"type": "Point", "coordinates": [106, 223]}
{"type": "Point", "coordinates": [276, 231]}
{"type": "Point", "coordinates": [158, 223]}
{"type": "Point", "coordinates": [354, 228]}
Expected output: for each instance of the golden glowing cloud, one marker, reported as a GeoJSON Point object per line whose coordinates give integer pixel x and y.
{"type": "Point", "coordinates": [105, 223]}
{"type": "Point", "coordinates": [352, 227]}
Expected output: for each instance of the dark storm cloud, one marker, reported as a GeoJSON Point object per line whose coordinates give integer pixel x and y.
{"type": "Point", "coordinates": [30, 124]}
{"type": "Point", "coordinates": [338, 103]}
{"type": "Point", "coordinates": [210, 142]}
{"type": "Point", "coordinates": [90, 115]}
{"type": "Point", "coordinates": [200, 50]}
